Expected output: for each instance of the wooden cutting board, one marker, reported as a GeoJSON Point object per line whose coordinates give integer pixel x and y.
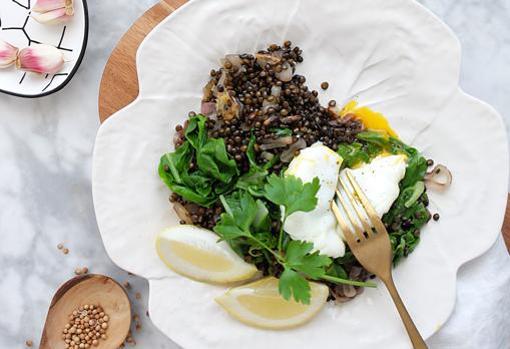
{"type": "Point", "coordinates": [119, 84]}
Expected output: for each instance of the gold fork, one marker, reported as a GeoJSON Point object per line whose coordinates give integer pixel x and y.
{"type": "Point", "coordinates": [372, 250]}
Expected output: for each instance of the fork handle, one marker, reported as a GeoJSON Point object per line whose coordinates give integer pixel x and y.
{"type": "Point", "coordinates": [412, 331]}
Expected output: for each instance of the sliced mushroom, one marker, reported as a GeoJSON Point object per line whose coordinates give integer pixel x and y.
{"type": "Point", "coordinates": [266, 58]}
{"type": "Point", "coordinates": [276, 143]}
{"type": "Point", "coordinates": [182, 213]}
{"type": "Point", "coordinates": [227, 106]}
{"type": "Point", "coordinates": [289, 154]}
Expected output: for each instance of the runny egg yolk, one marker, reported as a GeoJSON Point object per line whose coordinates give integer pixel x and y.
{"type": "Point", "coordinates": [371, 120]}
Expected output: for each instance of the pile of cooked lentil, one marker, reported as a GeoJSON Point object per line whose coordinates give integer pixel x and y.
{"type": "Point", "coordinates": [261, 94]}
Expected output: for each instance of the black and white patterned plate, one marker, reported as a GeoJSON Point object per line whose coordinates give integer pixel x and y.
{"type": "Point", "coordinates": [21, 30]}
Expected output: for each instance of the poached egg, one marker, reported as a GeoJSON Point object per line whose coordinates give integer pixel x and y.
{"type": "Point", "coordinates": [378, 179]}
{"type": "Point", "coordinates": [318, 226]}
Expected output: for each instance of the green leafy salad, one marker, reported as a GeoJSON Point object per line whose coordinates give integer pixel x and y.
{"type": "Point", "coordinates": [256, 170]}
{"type": "Point", "coordinates": [253, 202]}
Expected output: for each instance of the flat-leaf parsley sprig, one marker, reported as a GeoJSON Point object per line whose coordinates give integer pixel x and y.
{"type": "Point", "coordinates": [239, 223]}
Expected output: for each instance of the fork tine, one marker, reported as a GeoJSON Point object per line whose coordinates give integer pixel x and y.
{"type": "Point", "coordinates": [357, 229]}
{"type": "Point", "coordinates": [356, 204]}
{"type": "Point", "coordinates": [376, 221]}
{"type": "Point", "coordinates": [348, 234]}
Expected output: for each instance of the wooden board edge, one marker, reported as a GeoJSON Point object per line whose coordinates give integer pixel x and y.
{"type": "Point", "coordinates": [117, 89]}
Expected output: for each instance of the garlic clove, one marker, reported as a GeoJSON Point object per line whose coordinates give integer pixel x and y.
{"type": "Point", "coordinates": [8, 54]}
{"type": "Point", "coordinates": [40, 58]}
{"type": "Point", "coordinates": [43, 6]}
{"type": "Point", "coordinates": [57, 16]}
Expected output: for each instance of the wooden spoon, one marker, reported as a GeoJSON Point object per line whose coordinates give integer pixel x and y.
{"type": "Point", "coordinates": [88, 289]}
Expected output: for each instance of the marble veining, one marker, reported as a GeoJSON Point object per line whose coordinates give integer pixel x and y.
{"type": "Point", "coordinates": [45, 193]}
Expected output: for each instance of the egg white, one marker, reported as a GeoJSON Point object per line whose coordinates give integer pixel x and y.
{"type": "Point", "coordinates": [318, 226]}
{"type": "Point", "coordinates": [378, 179]}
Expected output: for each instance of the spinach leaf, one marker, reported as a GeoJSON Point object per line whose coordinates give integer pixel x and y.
{"type": "Point", "coordinates": [353, 154]}
{"type": "Point", "coordinates": [213, 160]}
{"type": "Point", "coordinates": [214, 174]}
{"type": "Point", "coordinates": [173, 164]}
{"type": "Point", "coordinates": [195, 132]}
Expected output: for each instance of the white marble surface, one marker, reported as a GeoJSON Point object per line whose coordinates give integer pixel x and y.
{"type": "Point", "coordinates": [45, 192]}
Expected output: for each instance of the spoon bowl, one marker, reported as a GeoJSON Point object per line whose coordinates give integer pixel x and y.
{"type": "Point", "coordinates": [88, 289]}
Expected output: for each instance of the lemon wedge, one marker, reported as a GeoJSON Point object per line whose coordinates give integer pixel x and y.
{"type": "Point", "coordinates": [260, 304]}
{"type": "Point", "coordinates": [196, 253]}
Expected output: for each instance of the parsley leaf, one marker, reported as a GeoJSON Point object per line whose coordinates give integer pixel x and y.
{"type": "Point", "coordinates": [228, 229]}
{"type": "Point", "coordinates": [290, 192]}
{"type": "Point", "coordinates": [292, 284]}
{"type": "Point", "coordinates": [298, 257]}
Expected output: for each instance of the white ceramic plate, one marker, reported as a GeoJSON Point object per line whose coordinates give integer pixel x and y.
{"type": "Point", "coordinates": [20, 30]}
{"type": "Point", "coordinates": [392, 55]}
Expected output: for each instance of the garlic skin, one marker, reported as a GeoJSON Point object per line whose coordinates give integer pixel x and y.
{"type": "Point", "coordinates": [8, 54]}
{"type": "Point", "coordinates": [42, 6]}
{"type": "Point", "coordinates": [53, 11]}
{"type": "Point", "coordinates": [40, 58]}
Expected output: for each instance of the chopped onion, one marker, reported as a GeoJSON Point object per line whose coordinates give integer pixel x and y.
{"type": "Point", "coordinates": [276, 90]}
{"type": "Point", "coordinates": [235, 60]}
{"type": "Point", "coordinates": [288, 154]}
{"type": "Point", "coordinates": [339, 299]}
{"type": "Point", "coordinates": [269, 120]}
{"type": "Point", "coordinates": [355, 273]}
{"type": "Point", "coordinates": [266, 104]}
{"type": "Point", "coordinates": [208, 90]}
{"type": "Point", "coordinates": [349, 291]}
{"type": "Point", "coordinates": [276, 143]}
{"type": "Point", "coordinates": [286, 74]}
{"type": "Point", "coordinates": [208, 108]}
{"type": "Point", "coordinates": [291, 119]}
{"type": "Point", "coordinates": [439, 178]}
{"type": "Point", "coordinates": [182, 213]}
{"type": "Point", "coordinates": [267, 155]}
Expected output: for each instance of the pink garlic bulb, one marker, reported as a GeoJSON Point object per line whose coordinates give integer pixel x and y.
{"type": "Point", "coordinates": [53, 11]}
{"type": "Point", "coordinates": [8, 54]}
{"type": "Point", "coordinates": [41, 59]}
